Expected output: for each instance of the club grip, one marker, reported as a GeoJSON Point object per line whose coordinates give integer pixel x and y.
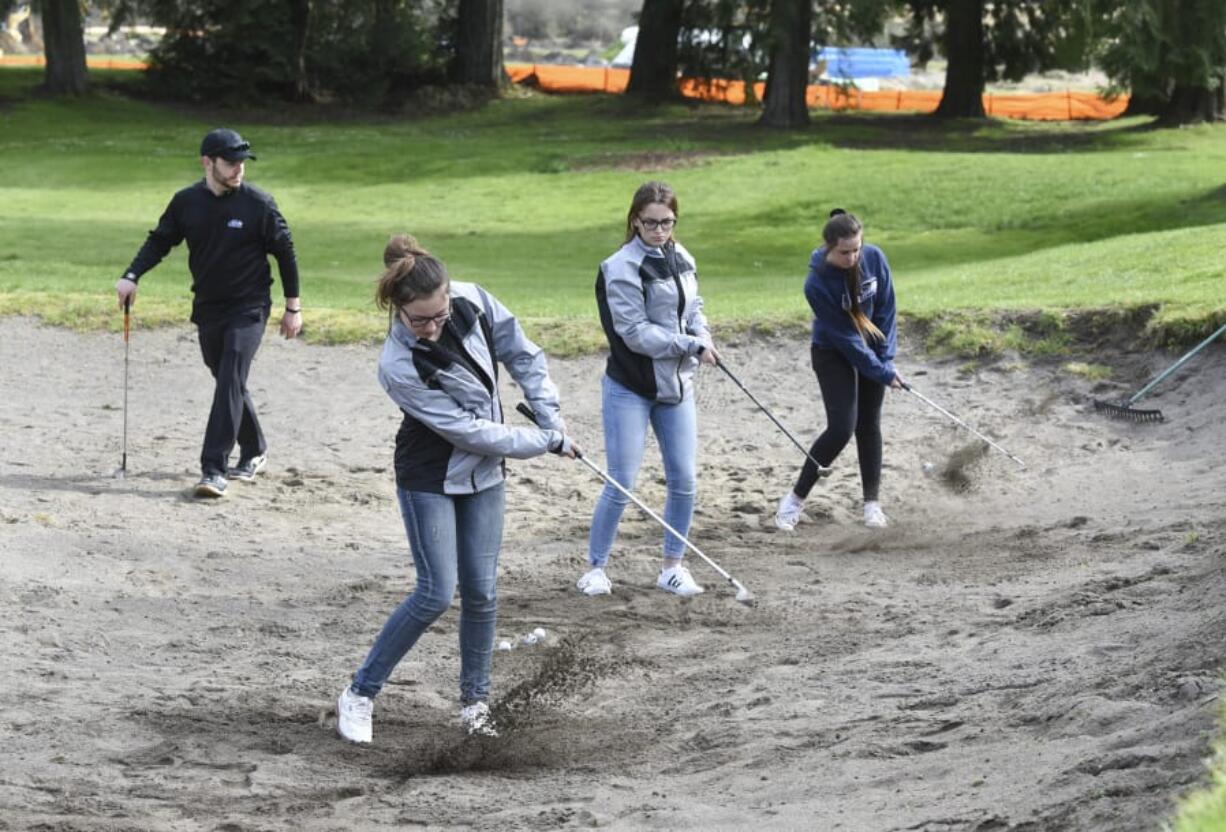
{"type": "Point", "coordinates": [525, 411]}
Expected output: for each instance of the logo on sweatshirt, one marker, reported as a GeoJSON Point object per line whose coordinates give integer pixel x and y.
{"type": "Point", "coordinates": [235, 223]}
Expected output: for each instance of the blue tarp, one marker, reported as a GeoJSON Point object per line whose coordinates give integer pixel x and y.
{"type": "Point", "coordinates": [863, 62]}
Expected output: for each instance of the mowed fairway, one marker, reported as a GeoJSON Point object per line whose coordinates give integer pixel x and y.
{"type": "Point", "coordinates": [1027, 649]}
{"type": "Point", "coordinates": [527, 195]}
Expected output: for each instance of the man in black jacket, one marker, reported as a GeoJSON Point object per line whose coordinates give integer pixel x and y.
{"type": "Point", "coordinates": [230, 228]}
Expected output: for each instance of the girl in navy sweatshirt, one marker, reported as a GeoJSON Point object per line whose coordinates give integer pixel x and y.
{"type": "Point", "coordinates": [854, 340]}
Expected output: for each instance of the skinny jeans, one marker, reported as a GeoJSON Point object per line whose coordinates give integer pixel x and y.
{"type": "Point", "coordinates": [454, 538]}
{"type": "Point", "coordinates": [626, 416]}
{"type": "Point", "coordinates": [853, 407]}
{"type": "Point", "coordinates": [228, 346]}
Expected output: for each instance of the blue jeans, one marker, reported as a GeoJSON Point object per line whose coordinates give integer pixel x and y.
{"type": "Point", "coordinates": [626, 416]}
{"type": "Point", "coordinates": [453, 537]}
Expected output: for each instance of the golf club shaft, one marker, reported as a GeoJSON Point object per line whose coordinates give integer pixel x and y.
{"type": "Point", "coordinates": [127, 328]}
{"type": "Point", "coordinates": [959, 422]}
{"type": "Point", "coordinates": [604, 475]}
{"type": "Point", "coordinates": [822, 470]}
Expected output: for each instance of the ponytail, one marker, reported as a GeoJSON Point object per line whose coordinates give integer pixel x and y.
{"type": "Point", "coordinates": [410, 273]}
{"type": "Point", "coordinates": [844, 226]}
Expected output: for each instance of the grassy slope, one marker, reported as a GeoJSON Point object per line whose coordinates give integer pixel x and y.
{"type": "Point", "coordinates": [522, 197]}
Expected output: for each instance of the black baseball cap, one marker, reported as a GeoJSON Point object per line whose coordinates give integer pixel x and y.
{"type": "Point", "coordinates": [227, 144]}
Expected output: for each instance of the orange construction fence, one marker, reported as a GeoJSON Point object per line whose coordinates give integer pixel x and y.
{"type": "Point", "coordinates": [555, 78]}
{"type": "Point", "coordinates": [90, 61]}
{"type": "Point", "coordinates": [1054, 106]}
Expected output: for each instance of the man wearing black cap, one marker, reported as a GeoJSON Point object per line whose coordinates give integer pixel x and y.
{"type": "Point", "coordinates": [230, 228]}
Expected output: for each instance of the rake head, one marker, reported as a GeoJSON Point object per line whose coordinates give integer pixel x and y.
{"type": "Point", "coordinates": [1132, 414]}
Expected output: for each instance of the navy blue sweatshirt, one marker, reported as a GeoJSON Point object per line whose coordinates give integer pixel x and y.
{"type": "Point", "coordinates": [229, 239]}
{"type": "Point", "coordinates": [833, 329]}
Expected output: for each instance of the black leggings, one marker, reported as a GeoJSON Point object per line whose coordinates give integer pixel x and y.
{"type": "Point", "coordinates": [838, 381]}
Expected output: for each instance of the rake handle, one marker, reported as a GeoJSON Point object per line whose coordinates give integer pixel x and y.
{"type": "Point", "coordinates": [1137, 396]}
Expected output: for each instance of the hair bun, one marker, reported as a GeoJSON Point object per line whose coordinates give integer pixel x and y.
{"type": "Point", "coordinates": [402, 247]}
{"type": "Point", "coordinates": [834, 212]}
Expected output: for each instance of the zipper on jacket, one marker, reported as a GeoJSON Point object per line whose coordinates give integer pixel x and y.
{"type": "Point", "coordinates": [670, 257]}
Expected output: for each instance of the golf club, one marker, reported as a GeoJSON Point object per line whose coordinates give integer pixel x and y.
{"type": "Point", "coordinates": [958, 421]}
{"type": "Point", "coordinates": [822, 470]}
{"type": "Point", "coordinates": [127, 328]}
{"type": "Point", "coordinates": [743, 595]}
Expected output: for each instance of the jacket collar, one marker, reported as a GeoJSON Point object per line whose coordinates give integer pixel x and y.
{"type": "Point", "coordinates": [644, 250]}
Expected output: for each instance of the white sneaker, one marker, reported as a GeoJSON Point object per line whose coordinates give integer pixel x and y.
{"type": "Point", "coordinates": [595, 582]}
{"type": "Point", "coordinates": [874, 517]}
{"type": "Point", "coordinates": [678, 580]}
{"type": "Point", "coordinates": [477, 721]}
{"type": "Point", "coordinates": [788, 514]}
{"type": "Point", "coordinates": [354, 715]}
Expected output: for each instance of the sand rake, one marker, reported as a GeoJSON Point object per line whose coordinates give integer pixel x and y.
{"type": "Point", "coordinates": [743, 595]}
{"type": "Point", "coordinates": [1125, 409]}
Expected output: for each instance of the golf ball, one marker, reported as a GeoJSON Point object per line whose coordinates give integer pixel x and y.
{"type": "Point", "coordinates": [504, 645]}
{"type": "Point", "coordinates": [928, 468]}
{"type": "Point", "coordinates": [540, 633]}
{"type": "Point", "coordinates": [529, 639]}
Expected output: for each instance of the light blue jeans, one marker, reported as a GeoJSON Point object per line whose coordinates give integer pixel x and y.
{"type": "Point", "coordinates": [454, 538]}
{"type": "Point", "coordinates": [626, 416]}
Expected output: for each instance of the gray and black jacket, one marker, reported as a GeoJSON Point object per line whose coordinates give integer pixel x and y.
{"type": "Point", "coordinates": [652, 316]}
{"type": "Point", "coordinates": [452, 439]}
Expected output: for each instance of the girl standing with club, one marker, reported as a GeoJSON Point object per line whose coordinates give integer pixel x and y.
{"type": "Point", "coordinates": [439, 365]}
{"type": "Point", "coordinates": [647, 294]}
{"type": "Point", "coordinates": [854, 341]}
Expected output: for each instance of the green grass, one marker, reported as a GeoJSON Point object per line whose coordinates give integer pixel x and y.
{"type": "Point", "coordinates": [1205, 809]}
{"type": "Point", "coordinates": [528, 194]}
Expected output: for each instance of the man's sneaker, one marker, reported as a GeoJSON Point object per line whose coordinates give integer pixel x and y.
{"type": "Point", "coordinates": [477, 720]}
{"type": "Point", "coordinates": [678, 580]}
{"type": "Point", "coordinates": [247, 469]}
{"type": "Point", "coordinates": [211, 485]}
{"type": "Point", "coordinates": [874, 517]}
{"type": "Point", "coordinates": [788, 514]}
{"type": "Point", "coordinates": [595, 582]}
{"type": "Point", "coordinates": [354, 714]}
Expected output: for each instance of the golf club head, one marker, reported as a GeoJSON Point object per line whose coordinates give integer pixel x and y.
{"type": "Point", "coordinates": [743, 595]}
{"type": "Point", "coordinates": [120, 473]}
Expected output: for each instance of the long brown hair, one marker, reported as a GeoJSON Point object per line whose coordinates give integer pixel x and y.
{"type": "Point", "coordinates": [844, 226]}
{"type": "Point", "coordinates": [648, 193]}
{"type": "Point", "coordinates": [410, 273]}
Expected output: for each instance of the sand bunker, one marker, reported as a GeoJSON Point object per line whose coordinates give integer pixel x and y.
{"type": "Point", "coordinates": [1022, 649]}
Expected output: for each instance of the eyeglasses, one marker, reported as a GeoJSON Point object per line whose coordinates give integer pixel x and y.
{"type": "Point", "coordinates": [419, 321]}
{"type": "Point", "coordinates": [663, 225]}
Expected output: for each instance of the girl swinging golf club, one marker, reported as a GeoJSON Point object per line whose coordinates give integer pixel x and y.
{"type": "Point", "coordinates": [647, 294]}
{"type": "Point", "coordinates": [439, 365]}
{"type": "Point", "coordinates": [854, 340]}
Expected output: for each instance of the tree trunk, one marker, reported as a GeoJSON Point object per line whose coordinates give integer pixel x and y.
{"type": "Point", "coordinates": [1192, 105]}
{"type": "Point", "coordinates": [964, 52]}
{"type": "Point", "coordinates": [64, 47]}
{"type": "Point", "coordinates": [791, 37]}
{"type": "Point", "coordinates": [1141, 104]}
{"type": "Point", "coordinates": [653, 72]}
{"type": "Point", "coordinates": [479, 44]}
{"type": "Point", "coordinates": [300, 14]}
